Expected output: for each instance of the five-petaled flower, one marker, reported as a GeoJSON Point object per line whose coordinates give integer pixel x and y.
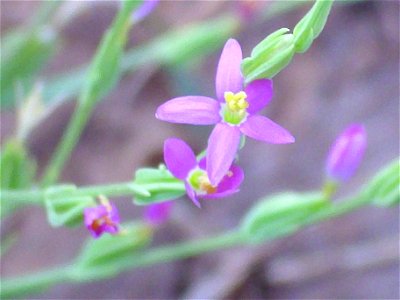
{"type": "Point", "coordinates": [234, 113]}
{"type": "Point", "coordinates": [102, 218]}
{"type": "Point", "coordinates": [346, 153]}
{"type": "Point", "coordinates": [183, 164]}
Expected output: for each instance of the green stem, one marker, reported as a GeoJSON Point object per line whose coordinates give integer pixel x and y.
{"type": "Point", "coordinates": [170, 253]}
{"type": "Point", "coordinates": [67, 144]}
{"type": "Point", "coordinates": [188, 249]}
{"type": "Point", "coordinates": [22, 197]}
{"type": "Point", "coordinates": [33, 283]}
{"type": "Point", "coordinates": [110, 190]}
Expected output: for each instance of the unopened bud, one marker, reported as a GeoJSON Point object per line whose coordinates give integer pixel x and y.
{"type": "Point", "coordinates": [346, 153]}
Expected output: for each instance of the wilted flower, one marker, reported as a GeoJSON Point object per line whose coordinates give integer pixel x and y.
{"type": "Point", "coordinates": [235, 112]}
{"type": "Point", "coordinates": [182, 163]}
{"type": "Point", "coordinates": [346, 153]}
{"type": "Point", "coordinates": [102, 218]}
{"type": "Point", "coordinates": [158, 213]}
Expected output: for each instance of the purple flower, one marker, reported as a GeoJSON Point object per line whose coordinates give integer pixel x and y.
{"type": "Point", "coordinates": [235, 112]}
{"type": "Point", "coordinates": [102, 218]}
{"type": "Point", "coordinates": [158, 213]}
{"type": "Point", "coordinates": [144, 10]}
{"type": "Point", "coordinates": [182, 163]}
{"type": "Point", "coordinates": [346, 153]}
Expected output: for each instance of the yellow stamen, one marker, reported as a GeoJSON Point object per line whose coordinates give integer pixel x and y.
{"type": "Point", "coordinates": [206, 186]}
{"type": "Point", "coordinates": [236, 102]}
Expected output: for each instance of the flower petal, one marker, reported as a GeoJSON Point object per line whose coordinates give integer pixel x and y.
{"type": "Point", "coordinates": [158, 213]}
{"type": "Point", "coordinates": [229, 184]}
{"type": "Point", "coordinates": [222, 146]}
{"type": "Point", "coordinates": [259, 94]}
{"type": "Point", "coordinates": [229, 76]}
{"type": "Point", "coordinates": [197, 110]}
{"type": "Point", "coordinates": [192, 195]}
{"type": "Point", "coordinates": [179, 157]}
{"type": "Point", "coordinates": [263, 129]}
{"type": "Point", "coordinates": [347, 152]}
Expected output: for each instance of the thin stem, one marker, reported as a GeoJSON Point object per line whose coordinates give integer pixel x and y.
{"type": "Point", "coordinates": [170, 253]}
{"type": "Point", "coordinates": [22, 197]}
{"type": "Point", "coordinates": [33, 283]}
{"type": "Point", "coordinates": [67, 144]}
{"type": "Point", "coordinates": [109, 190]}
{"type": "Point", "coordinates": [188, 249]}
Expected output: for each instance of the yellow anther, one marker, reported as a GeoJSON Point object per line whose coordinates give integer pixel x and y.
{"type": "Point", "coordinates": [243, 104]}
{"type": "Point", "coordinates": [236, 102]}
{"type": "Point", "coordinates": [104, 201]}
{"type": "Point", "coordinates": [229, 173]}
{"type": "Point", "coordinates": [232, 105]}
{"type": "Point", "coordinates": [206, 186]}
{"type": "Point", "coordinates": [229, 96]}
{"type": "Point", "coordinates": [241, 95]}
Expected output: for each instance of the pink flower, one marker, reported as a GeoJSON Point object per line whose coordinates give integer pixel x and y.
{"type": "Point", "coordinates": [158, 213]}
{"type": "Point", "coordinates": [234, 113]}
{"type": "Point", "coordinates": [102, 218]}
{"type": "Point", "coordinates": [144, 10]}
{"type": "Point", "coordinates": [346, 153]}
{"type": "Point", "coordinates": [182, 163]}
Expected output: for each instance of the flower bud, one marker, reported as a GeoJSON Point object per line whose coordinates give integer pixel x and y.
{"type": "Point", "coordinates": [270, 56]}
{"type": "Point", "coordinates": [158, 213]}
{"type": "Point", "coordinates": [346, 153]}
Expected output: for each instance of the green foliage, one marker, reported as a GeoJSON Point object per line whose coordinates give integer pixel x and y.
{"type": "Point", "coordinates": [276, 51]}
{"type": "Point", "coordinates": [173, 47]}
{"type": "Point", "coordinates": [270, 56]}
{"type": "Point", "coordinates": [104, 257]}
{"type": "Point", "coordinates": [25, 51]}
{"type": "Point", "coordinates": [103, 74]}
{"type": "Point", "coordinates": [64, 207]}
{"type": "Point", "coordinates": [160, 185]}
{"type": "Point", "coordinates": [17, 167]}
{"type": "Point", "coordinates": [105, 70]}
{"type": "Point", "coordinates": [311, 25]}
{"type": "Point", "coordinates": [17, 172]}
{"type": "Point", "coordinates": [22, 56]}
{"type": "Point", "coordinates": [281, 214]}
{"type": "Point", "coordinates": [384, 188]}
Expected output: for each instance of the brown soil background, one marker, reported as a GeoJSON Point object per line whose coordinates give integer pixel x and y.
{"type": "Point", "coordinates": [350, 74]}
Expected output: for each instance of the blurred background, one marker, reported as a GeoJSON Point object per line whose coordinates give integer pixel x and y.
{"type": "Point", "coordinates": [350, 74]}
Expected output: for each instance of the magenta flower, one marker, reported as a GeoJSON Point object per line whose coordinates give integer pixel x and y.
{"type": "Point", "coordinates": [102, 218]}
{"type": "Point", "coordinates": [182, 163]}
{"type": "Point", "coordinates": [158, 213]}
{"type": "Point", "coordinates": [144, 10]}
{"type": "Point", "coordinates": [235, 112]}
{"type": "Point", "coordinates": [346, 153]}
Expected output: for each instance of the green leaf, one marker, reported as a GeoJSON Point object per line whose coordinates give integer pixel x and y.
{"type": "Point", "coordinates": [63, 207]}
{"type": "Point", "coordinates": [311, 25]}
{"type": "Point", "coordinates": [174, 47]}
{"type": "Point", "coordinates": [105, 70]}
{"type": "Point", "coordinates": [25, 51]}
{"type": "Point", "coordinates": [384, 187]}
{"type": "Point", "coordinates": [276, 51]}
{"type": "Point", "coordinates": [23, 55]}
{"type": "Point", "coordinates": [17, 167]}
{"type": "Point", "coordinates": [160, 184]}
{"type": "Point", "coordinates": [103, 74]}
{"type": "Point", "coordinates": [281, 214]}
{"type": "Point", "coordinates": [104, 257]}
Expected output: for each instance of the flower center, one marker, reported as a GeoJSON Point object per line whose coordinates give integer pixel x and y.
{"type": "Point", "coordinates": [96, 224]}
{"type": "Point", "coordinates": [235, 109]}
{"type": "Point", "coordinates": [200, 182]}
